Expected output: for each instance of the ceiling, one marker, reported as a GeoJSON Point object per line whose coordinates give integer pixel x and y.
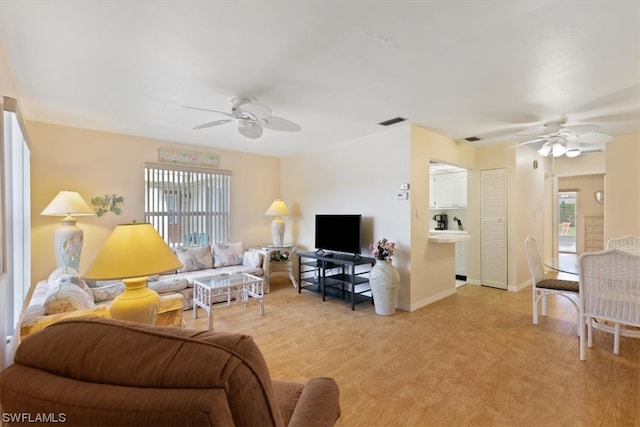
{"type": "Point", "coordinates": [488, 69]}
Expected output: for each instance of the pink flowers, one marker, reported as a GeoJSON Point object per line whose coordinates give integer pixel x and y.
{"type": "Point", "coordinates": [383, 249]}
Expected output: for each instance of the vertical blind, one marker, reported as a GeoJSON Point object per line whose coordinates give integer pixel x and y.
{"type": "Point", "coordinates": [188, 205]}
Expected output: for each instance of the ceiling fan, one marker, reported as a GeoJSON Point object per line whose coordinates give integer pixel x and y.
{"type": "Point", "coordinates": [559, 140]}
{"type": "Point", "coordinates": [250, 117]}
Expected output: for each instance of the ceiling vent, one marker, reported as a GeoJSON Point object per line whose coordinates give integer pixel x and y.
{"type": "Point", "coordinates": [392, 121]}
{"type": "Point", "coordinates": [473, 139]}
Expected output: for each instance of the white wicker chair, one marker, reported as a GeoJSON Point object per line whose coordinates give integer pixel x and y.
{"type": "Point", "coordinates": [629, 244]}
{"type": "Point", "coordinates": [543, 287]}
{"type": "Point", "coordinates": [609, 294]}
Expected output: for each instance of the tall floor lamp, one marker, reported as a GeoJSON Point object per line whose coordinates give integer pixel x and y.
{"type": "Point", "coordinates": [68, 238]}
{"type": "Point", "coordinates": [132, 253]}
{"type": "Point", "coordinates": [278, 208]}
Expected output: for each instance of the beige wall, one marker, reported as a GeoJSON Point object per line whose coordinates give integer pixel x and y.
{"type": "Point", "coordinates": [97, 163]}
{"type": "Point", "coordinates": [622, 187]}
{"type": "Point", "coordinates": [433, 264]}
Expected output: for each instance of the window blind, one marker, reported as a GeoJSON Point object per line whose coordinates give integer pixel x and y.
{"type": "Point", "coordinates": [188, 205]}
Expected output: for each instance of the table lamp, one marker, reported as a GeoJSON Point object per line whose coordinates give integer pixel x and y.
{"type": "Point", "coordinates": [68, 238]}
{"type": "Point", "coordinates": [131, 253]}
{"type": "Point", "coordinates": [277, 209]}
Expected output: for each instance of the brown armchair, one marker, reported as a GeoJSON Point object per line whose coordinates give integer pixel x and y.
{"type": "Point", "coordinates": [109, 372]}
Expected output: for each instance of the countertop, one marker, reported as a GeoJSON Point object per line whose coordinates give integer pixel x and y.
{"type": "Point", "coordinates": [432, 231]}
{"type": "Point", "coordinates": [449, 238]}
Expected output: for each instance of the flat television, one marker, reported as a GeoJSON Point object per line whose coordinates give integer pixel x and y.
{"type": "Point", "coordinates": [339, 233]}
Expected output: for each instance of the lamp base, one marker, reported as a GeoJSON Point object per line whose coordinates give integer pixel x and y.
{"type": "Point", "coordinates": [277, 231]}
{"type": "Point", "coordinates": [137, 303]}
{"type": "Point", "coordinates": [67, 244]}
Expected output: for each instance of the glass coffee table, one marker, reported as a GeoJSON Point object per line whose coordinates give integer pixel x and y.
{"type": "Point", "coordinates": [239, 285]}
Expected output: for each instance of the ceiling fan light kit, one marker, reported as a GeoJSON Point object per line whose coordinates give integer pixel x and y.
{"type": "Point", "coordinates": [250, 118]}
{"type": "Point", "coordinates": [568, 141]}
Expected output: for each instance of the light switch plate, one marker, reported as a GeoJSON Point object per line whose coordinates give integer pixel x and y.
{"type": "Point", "coordinates": [403, 195]}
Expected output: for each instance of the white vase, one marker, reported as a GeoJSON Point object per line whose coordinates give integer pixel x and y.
{"type": "Point", "coordinates": [384, 280]}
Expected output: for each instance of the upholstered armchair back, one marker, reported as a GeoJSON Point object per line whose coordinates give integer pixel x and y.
{"type": "Point", "coordinates": [108, 372]}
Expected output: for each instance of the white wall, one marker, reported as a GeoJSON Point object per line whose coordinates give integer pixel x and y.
{"type": "Point", "coordinates": [361, 176]}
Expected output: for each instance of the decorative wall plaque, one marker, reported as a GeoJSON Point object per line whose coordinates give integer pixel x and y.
{"type": "Point", "coordinates": [184, 157]}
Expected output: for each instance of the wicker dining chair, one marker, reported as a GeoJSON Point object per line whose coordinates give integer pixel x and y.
{"type": "Point", "coordinates": [609, 296]}
{"type": "Point", "coordinates": [629, 244]}
{"type": "Point", "coordinates": [544, 287]}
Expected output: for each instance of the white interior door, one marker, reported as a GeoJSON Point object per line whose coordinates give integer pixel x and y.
{"type": "Point", "coordinates": [494, 228]}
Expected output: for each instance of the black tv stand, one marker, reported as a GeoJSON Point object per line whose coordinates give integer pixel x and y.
{"type": "Point", "coordinates": [350, 282]}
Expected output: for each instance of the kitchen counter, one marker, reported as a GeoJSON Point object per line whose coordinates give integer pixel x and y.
{"type": "Point", "coordinates": [449, 238]}
{"type": "Point", "coordinates": [433, 231]}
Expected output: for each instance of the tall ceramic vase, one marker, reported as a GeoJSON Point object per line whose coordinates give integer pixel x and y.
{"type": "Point", "coordinates": [384, 280]}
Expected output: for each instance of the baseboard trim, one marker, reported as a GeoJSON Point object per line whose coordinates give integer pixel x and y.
{"type": "Point", "coordinates": [427, 301]}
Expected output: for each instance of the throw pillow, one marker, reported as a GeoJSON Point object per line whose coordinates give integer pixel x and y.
{"type": "Point", "coordinates": [227, 254]}
{"type": "Point", "coordinates": [59, 272]}
{"type": "Point", "coordinates": [69, 293]}
{"type": "Point", "coordinates": [252, 258]}
{"type": "Point", "coordinates": [194, 258]}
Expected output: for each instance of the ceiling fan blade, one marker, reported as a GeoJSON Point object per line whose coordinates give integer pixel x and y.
{"type": "Point", "coordinates": [531, 141]}
{"type": "Point", "coordinates": [213, 123]}
{"type": "Point", "coordinates": [206, 109]}
{"type": "Point", "coordinates": [253, 130]}
{"type": "Point", "coordinates": [579, 129]}
{"type": "Point", "coordinates": [258, 111]}
{"type": "Point", "coordinates": [278, 123]}
{"type": "Point", "coordinates": [594, 138]}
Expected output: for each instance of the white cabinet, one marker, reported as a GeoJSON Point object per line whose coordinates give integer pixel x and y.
{"type": "Point", "coordinates": [461, 258]}
{"type": "Point", "coordinates": [432, 191]}
{"type": "Point", "coordinates": [459, 189]}
{"type": "Point", "coordinates": [448, 190]}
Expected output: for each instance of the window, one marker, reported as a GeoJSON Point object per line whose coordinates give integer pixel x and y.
{"type": "Point", "coordinates": [15, 236]}
{"type": "Point", "coordinates": [187, 205]}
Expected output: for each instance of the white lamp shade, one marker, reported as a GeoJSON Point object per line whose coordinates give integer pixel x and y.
{"type": "Point", "coordinates": [68, 203]}
{"type": "Point", "coordinates": [277, 208]}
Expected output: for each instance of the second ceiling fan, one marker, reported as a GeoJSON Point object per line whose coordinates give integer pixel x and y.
{"type": "Point", "coordinates": [557, 139]}
{"type": "Point", "coordinates": [250, 117]}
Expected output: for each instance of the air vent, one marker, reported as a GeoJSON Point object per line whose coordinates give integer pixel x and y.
{"type": "Point", "coordinates": [473, 139]}
{"type": "Point", "coordinates": [392, 121]}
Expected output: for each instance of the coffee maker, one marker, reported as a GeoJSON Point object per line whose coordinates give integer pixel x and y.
{"type": "Point", "coordinates": [441, 221]}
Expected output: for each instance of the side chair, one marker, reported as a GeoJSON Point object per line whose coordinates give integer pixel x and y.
{"type": "Point", "coordinates": [629, 244]}
{"type": "Point", "coordinates": [544, 287]}
{"type": "Point", "coordinates": [609, 296]}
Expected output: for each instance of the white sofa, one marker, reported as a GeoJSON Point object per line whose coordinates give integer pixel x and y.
{"type": "Point", "coordinates": [64, 294]}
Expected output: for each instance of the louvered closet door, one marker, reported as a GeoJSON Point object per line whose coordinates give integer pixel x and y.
{"type": "Point", "coordinates": [494, 228]}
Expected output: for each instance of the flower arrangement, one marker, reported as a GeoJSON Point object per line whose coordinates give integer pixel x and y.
{"type": "Point", "coordinates": [280, 256]}
{"type": "Point", "coordinates": [383, 249]}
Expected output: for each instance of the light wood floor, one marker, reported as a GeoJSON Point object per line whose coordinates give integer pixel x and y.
{"type": "Point", "coordinates": [471, 359]}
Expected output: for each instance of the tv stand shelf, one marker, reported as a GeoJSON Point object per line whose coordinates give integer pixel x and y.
{"type": "Point", "coordinates": [335, 275]}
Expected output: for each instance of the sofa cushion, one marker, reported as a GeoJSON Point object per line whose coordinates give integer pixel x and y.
{"type": "Point", "coordinates": [252, 258]}
{"type": "Point", "coordinates": [170, 284]}
{"type": "Point", "coordinates": [194, 258]}
{"type": "Point", "coordinates": [106, 290]}
{"type": "Point", "coordinates": [67, 292]}
{"type": "Point", "coordinates": [227, 254]}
